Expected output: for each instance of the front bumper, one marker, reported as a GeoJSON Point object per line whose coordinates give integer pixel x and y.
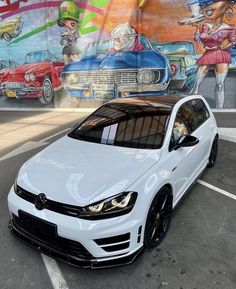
{"type": "Point", "coordinates": [81, 237]}
{"type": "Point", "coordinates": [46, 249]}
{"type": "Point", "coordinates": [21, 90]}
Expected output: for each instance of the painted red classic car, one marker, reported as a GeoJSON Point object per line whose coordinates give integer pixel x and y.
{"type": "Point", "coordinates": [9, 6]}
{"type": "Point", "coordinates": [38, 77]}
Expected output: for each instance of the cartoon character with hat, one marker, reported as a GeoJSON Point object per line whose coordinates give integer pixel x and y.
{"type": "Point", "coordinates": [125, 38]}
{"type": "Point", "coordinates": [69, 18]}
{"type": "Point", "coordinates": [217, 37]}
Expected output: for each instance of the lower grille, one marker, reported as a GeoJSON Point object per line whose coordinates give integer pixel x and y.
{"type": "Point", "coordinates": [55, 242]}
{"type": "Point", "coordinates": [115, 243]}
{"type": "Point", "coordinates": [115, 248]}
{"type": "Point", "coordinates": [112, 240]}
{"type": "Point", "coordinates": [14, 85]}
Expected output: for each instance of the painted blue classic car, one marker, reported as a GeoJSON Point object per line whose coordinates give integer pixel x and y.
{"type": "Point", "coordinates": [115, 67]}
{"type": "Point", "coordinates": [182, 56]}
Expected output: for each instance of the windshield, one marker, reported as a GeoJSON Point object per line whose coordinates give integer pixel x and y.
{"type": "Point", "coordinates": [175, 48]}
{"type": "Point", "coordinates": [129, 42]}
{"type": "Point", "coordinates": [39, 56]}
{"type": "Point", "coordinates": [4, 64]}
{"type": "Point", "coordinates": [125, 125]}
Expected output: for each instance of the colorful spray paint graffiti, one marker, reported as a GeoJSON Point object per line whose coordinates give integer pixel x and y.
{"type": "Point", "coordinates": [36, 45]}
{"type": "Point", "coordinates": [124, 64]}
{"type": "Point", "coordinates": [43, 41]}
{"type": "Point", "coordinates": [217, 37]}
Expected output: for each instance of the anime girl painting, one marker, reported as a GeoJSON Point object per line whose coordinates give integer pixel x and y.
{"type": "Point", "coordinates": [217, 37]}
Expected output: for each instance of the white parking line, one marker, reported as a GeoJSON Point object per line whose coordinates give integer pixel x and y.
{"type": "Point", "coordinates": [223, 192]}
{"type": "Point", "coordinates": [228, 133]}
{"type": "Point", "coordinates": [57, 279]}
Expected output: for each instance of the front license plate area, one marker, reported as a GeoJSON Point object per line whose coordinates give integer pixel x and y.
{"type": "Point", "coordinates": [11, 93]}
{"type": "Point", "coordinates": [37, 226]}
{"type": "Point", "coordinates": [104, 95]}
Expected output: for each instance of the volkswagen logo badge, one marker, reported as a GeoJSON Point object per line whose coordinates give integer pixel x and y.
{"type": "Point", "coordinates": [40, 202]}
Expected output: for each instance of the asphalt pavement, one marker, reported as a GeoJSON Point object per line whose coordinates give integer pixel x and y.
{"type": "Point", "coordinates": [198, 252]}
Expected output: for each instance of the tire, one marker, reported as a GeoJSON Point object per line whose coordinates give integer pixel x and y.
{"type": "Point", "coordinates": [6, 36]}
{"type": "Point", "coordinates": [214, 152]}
{"type": "Point", "coordinates": [158, 218]}
{"type": "Point", "coordinates": [47, 95]}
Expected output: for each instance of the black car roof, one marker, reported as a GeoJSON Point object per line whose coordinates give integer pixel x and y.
{"type": "Point", "coordinates": [157, 101]}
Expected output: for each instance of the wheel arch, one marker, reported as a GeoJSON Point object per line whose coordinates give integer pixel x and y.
{"type": "Point", "coordinates": [168, 186]}
{"type": "Point", "coordinates": [170, 189]}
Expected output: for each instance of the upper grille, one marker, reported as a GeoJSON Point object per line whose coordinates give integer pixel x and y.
{"type": "Point", "coordinates": [65, 209]}
{"type": "Point", "coordinates": [108, 78]}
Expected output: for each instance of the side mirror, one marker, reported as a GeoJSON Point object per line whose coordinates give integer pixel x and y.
{"type": "Point", "coordinates": [186, 141]}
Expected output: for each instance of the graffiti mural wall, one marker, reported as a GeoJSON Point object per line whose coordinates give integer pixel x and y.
{"type": "Point", "coordinates": [82, 53]}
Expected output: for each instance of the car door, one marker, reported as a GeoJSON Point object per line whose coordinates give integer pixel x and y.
{"type": "Point", "coordinates": [182, 161]}
{"type": "Point", "coordinates": [203, 131]}
{"type": "Point", "coordinates": [190, 161]}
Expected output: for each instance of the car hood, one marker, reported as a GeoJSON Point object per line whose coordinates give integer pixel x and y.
{"type": "Point", "coordinates": [28, 67]}
{"type": "Point", "coordinates": [125, 60]}
{"type": "Point", "coordinates": [81, 173]}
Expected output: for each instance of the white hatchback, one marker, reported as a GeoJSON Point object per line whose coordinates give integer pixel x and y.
{"type": "Point", "coordinates": [99, 195]}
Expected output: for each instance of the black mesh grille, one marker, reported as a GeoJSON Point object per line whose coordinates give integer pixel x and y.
{"type": "Point", "coordinates": [114, 239]}
{"type": "Point", "coordinates": [41, 231]}
{"type": "Point", "coordinates": [115, 248]}
{"type": "Point", "coordinates": [116, 243]}
{"type": "Point", "coordinates": [61, 208]}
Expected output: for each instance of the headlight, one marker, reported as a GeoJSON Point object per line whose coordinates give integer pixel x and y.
{"type": "Point", "coordinates": [27, 77]}
{"type": "Point", "coordinates": [146, 76]}
{"type": "Point", "coordinates": [72, 78]}
{"type": "Point", "coordinates": [30, 76]}
{"type": "Point", "coordinates": [112, 207]}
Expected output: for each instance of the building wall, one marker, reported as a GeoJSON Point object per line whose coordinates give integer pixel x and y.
{"type": "Point", "coordinates": [39, 30]}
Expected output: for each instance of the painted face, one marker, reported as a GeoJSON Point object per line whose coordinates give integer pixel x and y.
{"type": "Point", "coordinates": [215, 10]}
{"type": "Point", "coordinates": [124, 43]}
{"type": "Point", "coordinates": [70, 23]}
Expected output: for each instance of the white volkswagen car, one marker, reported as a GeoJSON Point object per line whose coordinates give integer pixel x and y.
{"type": "Point", "coordinates": [99, 195]}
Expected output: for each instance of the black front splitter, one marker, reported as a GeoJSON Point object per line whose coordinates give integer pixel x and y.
{"type": "Point", "coordinates": [46, 249]}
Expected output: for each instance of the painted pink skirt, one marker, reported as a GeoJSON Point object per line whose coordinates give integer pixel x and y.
{"type": "Point", "coordinates": [214, 56]}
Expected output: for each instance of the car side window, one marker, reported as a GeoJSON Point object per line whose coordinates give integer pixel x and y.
{"type": "Point", "coordinates": [185, 112]}
{"type": "Point", "coordinates": [183, 124]}
{"type": "Point", "coordinates": [200, 111]}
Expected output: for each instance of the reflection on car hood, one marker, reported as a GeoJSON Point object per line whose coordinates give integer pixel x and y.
{"type": "Point", "coordinates": [126, 60]}
{"type": "Point", "coordinates": [80, 173]}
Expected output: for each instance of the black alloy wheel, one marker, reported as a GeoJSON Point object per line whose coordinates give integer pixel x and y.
{"type": "Point", "coordinates": [214, 152]}
{"type": "Point", "coordinates": [158, 219]}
